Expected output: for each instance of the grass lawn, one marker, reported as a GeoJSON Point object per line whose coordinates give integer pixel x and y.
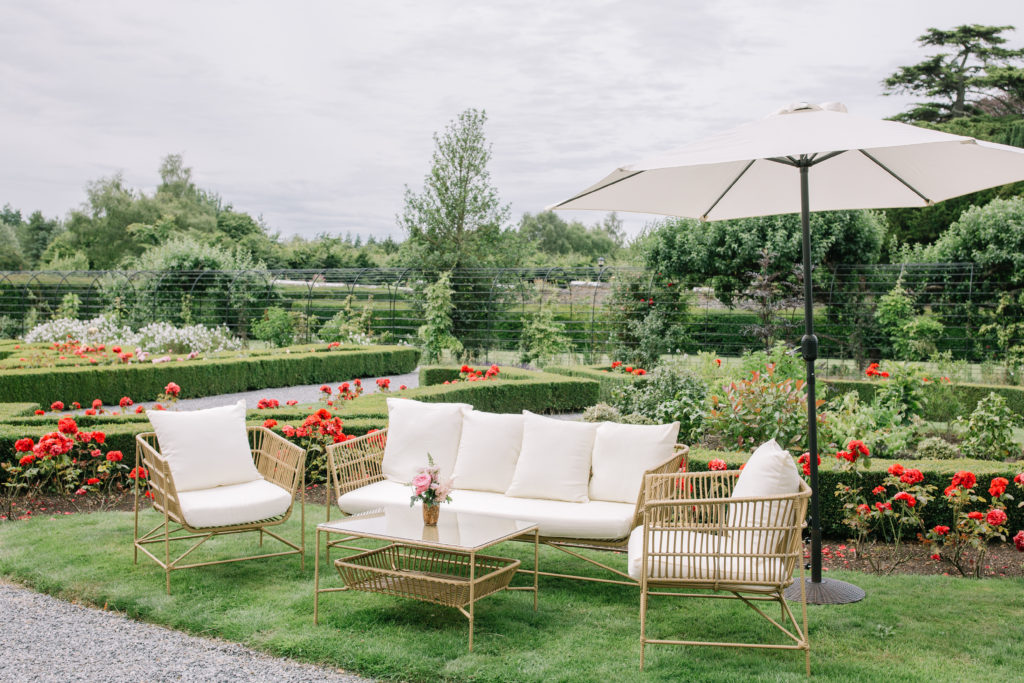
{"type": "Point", "coordinates": [909, 628]}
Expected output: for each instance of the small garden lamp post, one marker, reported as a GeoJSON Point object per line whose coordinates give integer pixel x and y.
{"type": "Point", "coordinates": [755, 170]}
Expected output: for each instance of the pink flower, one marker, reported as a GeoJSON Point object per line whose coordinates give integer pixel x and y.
{"type": "Point", "coordinates": [421, 482]}
{"type": "Point", "coordinates": [172, 389]}
{"type": "Point", "coordinates": [1018, 541]}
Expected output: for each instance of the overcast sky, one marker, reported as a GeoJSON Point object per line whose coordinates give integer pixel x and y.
{"type": "Point", "coordinates": [315, 115]}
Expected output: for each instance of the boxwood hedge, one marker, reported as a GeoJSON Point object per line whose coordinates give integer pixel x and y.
{"type": "Point", "coordinates": [968, 396]}
{"type": "Point", "coordinates": [210, 377]}
{"type": "Point", "coordinates": [608, 381]}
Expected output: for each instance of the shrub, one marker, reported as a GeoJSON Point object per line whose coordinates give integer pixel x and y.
{"type": "Point", "coordinates": [542, 338]}
{"type": "Point", "coordinates": [989, 434]}
{"type": "Point", "coordinates": [649, 312]}
{"type": "Point", "coordinates": [602, 412]}
{"type": "Point", "coordinates": [666, 394]}
{"type": "Point", "coordinates": [880, 424]}
{"type": "Point", "coordinates": [348, 326]}
{"type": "Point", "coordinates": [153, 338]}
{"type": "Point", "coordinates": [784, 359]}
{"type": "Point", "coordinates": [936, 448]}
{"type": "Point", "coordinates": [276, 327]}
{"type": "Point", "coordinates": [435, 334]}
{"type": "Point", "coordinates": [758, 409]}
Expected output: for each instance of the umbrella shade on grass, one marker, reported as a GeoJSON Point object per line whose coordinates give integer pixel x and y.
{"type": "Point", "coordinates": [766, 168]}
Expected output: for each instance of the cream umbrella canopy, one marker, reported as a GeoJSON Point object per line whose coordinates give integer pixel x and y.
{"type": "Point", "coordinates": [800, 159]}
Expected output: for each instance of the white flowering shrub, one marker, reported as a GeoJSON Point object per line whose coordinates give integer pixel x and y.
{"type": "Point", "coordinates": [153, 338]}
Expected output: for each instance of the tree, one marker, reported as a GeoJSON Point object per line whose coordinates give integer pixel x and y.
{"type": "Point", "coordinates": [550, 235]}
{"type": "Point", "coordinates": [11, 257]}
{"type": "Point", "coordinates": [979, 69]}
{"type": "Point", "coordinates": [39, 232]}
{"type": "Point", "coordinates": [458, 219]}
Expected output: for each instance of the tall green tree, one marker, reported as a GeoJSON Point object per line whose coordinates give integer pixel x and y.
{"type": "Point", "coordinates": [11, 257]}
{"type": "Point", "coordinates": [39, 233]}
{"type": "Point", "coordinates": [550, 235]}
{"type": "Point", "coordinates": [975, 68]}
{"type": "Point", "coordinates": [458, 219]}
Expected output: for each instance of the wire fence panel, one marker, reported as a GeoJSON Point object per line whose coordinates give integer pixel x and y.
{"type": "Point", "coordinates": [600, 310]}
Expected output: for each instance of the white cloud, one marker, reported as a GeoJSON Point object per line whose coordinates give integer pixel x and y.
{"type": "Point", "coordinates": [316, 114]}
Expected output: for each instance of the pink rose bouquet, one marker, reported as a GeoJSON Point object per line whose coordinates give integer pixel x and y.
{"type": "Point", "coordinates": [428, 487]}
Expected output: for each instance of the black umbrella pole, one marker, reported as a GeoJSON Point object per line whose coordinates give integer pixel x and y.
{"type": "Point", "coordinates": [829, 591]}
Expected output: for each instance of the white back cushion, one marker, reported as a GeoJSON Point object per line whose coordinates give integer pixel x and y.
{"type": "Point", "coordinates": [205, 448]}
{"type": "Point", "coordinates": [415, 429]}
{"type": "Point", "coordinates": [770, 471]}
{"type": "Point", "coordinates": [488, 451]}
{"type": "Point", "coordinates": [554, 462]}
{"type": "Point", "coordinates": [622, 453]}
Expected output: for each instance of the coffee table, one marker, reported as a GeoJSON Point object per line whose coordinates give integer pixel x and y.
{"type": "Point", "coordinates": [440, 564]}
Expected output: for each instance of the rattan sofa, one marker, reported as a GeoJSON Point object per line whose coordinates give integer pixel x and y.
{"type": "Point", "coordinates": [356, 482]}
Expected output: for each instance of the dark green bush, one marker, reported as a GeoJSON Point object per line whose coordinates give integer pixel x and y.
{"type": "Point", "coordinates": [201, 377]}
{"type": "Point", "coordinates": [968, 395]}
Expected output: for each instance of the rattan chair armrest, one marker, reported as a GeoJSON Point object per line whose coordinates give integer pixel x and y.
{"type": "Point", "coordinates": [158, 472]}
{"type": "Point", "coordinates": [670, 466]}
{"type": "Point", "coordinates": [356, 463]}
{"type": "Point", "coordinates": [279, 460]}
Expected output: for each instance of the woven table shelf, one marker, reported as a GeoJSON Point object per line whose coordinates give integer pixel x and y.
{"type": "Point", "coordinates": [427, 574]}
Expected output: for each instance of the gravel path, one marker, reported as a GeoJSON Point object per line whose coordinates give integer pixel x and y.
{"type": "Point", "coordinates": [46, 639]}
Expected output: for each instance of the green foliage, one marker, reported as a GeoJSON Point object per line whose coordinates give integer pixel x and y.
{"type": "Point", "coordinates": [277, 327]}
{"type": "Point", "coordinates": [960, 82]}
{"type": "Point", "coordinates": [771, 291]}
{"type": "Point", "coordinates": [936, 448]}
{"type": "Point", "coordinates": [722, 253]}
{"type": "Point", "coordinates": [989, 430]}
{"type": "Point", "coordinates": [883, 426]}
{"type": "Point", "coordinates": [542, 338]}
{"type": "Point", "coordinates": [1007, 325]}
{"type": "Point", "coordinates": [610, 382]}
{"type": "Point", "coordinates": [990, 236]}
{"type": "Point", "coordinates": [11, 257]}
{"type": "Point", "coordinates": [666, 394]}
{"type": "Point", "coordinates": [435, 334]}
{"type": "Point", "coordinates": [513, 391]}
{"type": "Point", "coordinates": [348, 325]}
{"type": "Point", "coordinates": [649, 312]}
{"type": "Point", "coordinates": [551, 236]}
{"type": "Point", "coordinates": [760, 408]}
{"type": "Point", "coordinates": [785, 361]}
{"type": "Point", "coordinates": [70, 304]}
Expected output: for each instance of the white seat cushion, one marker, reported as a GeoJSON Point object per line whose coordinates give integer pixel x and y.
{"type": "Point", "coordinates": [596, 520]}
{"type": "Point", "coordinates": [770, 471]}
{"type": "Point", "coordinates": [554, 462]}
{"type": "Point", "coordinates": [488, 451]}
{"type": "Point", "coordinates": [415, 429]}
{"type": "Point", "coordinates": [234, 504]}
{"type": "Point", "coordinates": [698, 557]}
{"type": "Point", "coordinates": [622, 453]}
{"type": "Point", "coordinates": [205, 448]}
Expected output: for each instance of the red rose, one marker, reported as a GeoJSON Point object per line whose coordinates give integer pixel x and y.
{"type": "Point", "coordinates": [56, 405]}
{"type": "Point", "coordinates": [402, 387]}
{"type": "Point", "coordinates": [936, 557]}
{"type": "Point", "coordinates": [858, 446]}
{"type": "Point", "coordinates": [90, 411]}
{"type": "Point", "coordinates": [997, 487]}
{"type": "Point", "coordinates": [912, 477]}
{"type": "Point", "coordinates": [1019, 479]}
{"type": "Point", "coordinates": [27, 460]}
{"type": "Point", "coordinates": [95, 452]}
{"type": "Point", "coordinates": [40, 412]}
{"type": "Point", "coordinates": [1018, 541]}
{"type": "Point", "coordinates": [92, 482]}
{"type": "Point", "coordinates": [325, 389]}
{"type": "Point", "coordinates": [863, 509]}
{"type": "Point", "coordinates": [172, 389]}
{"type": "Point", "coordinates": [99, 437]}
{"type": "Point", "coordinates": [76, 405]}
{"type": "Point", "coordinates": [138, 473]}
{"type": "Point", "coordinates": [996, 517]}
{"type": "Point", "coordinates": [24, 445]}
{"type": "Point", "coordinates": [115, 349]}
{"type": "Point", "coordinates": [941, 530]}
{"type": "Point", "coordinates": [139, 409]}
{"type": "Point", "coordinates": [80, 492]}
{"type": "Point", "coordinates": [961, 480]}
{"type": "Point", "coordinates": [880, 506]}
{"type": "Point", "coordinates": [270, 423]}
{"type": "Point", "coordinates": [288, 430]}
{"type": "Point", "coordinates": [293, 402]}
{"type": "Point", "coordinates": [878, 490]}
{"type": "Point", "coordinates": [906, 498]}
{"type": "Point", "coordinates": [115, 456]}
{"type": "Point", "coordinates": [717, 465]}
{"type": "Point", "coordinates": [125, 402]}
{"type": "Point", "coordinates": [67, 425]}
{"type": "Point", "coordinates": [96, 403]}
{"type": "Point", "coordinates": [896, 469]}
{"type": "Point", "coordinates": [976, 516]}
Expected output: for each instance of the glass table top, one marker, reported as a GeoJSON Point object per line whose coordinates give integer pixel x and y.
{"type": "Point", "coordinates": [463, 530]}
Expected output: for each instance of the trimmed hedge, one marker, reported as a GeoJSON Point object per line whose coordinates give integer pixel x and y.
{"type": "Point", "coordinates": [968, 395]}
{"type": "Point", "coordinates": [936, 472]}
{"type": "Point", "coordinates": [202, 377]}
{"type": "Point", "coordinates": [609, 381]}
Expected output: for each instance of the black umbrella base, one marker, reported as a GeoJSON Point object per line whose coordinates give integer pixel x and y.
{"type": "Point", "coordinates": [827, 592]}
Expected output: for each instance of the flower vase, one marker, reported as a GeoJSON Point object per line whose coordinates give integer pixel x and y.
{"type": "Point", "coordinates": [430, 513]}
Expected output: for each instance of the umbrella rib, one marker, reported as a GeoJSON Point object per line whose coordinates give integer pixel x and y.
{"type": "Point", "coordinates": [893, 174]}
{"type": "Point", "coordinates": [597, 189]}
{"type": "Point", "coordinates": [735, 180]}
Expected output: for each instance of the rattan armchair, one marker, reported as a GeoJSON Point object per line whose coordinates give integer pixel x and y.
{"type": "Point", "coordinates": [280, 463]}
{"type": "Point", "coordinates": [695, 537]}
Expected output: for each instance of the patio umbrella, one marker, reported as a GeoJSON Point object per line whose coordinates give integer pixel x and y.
{"type": "Point", "coordinates": [765, 168]}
